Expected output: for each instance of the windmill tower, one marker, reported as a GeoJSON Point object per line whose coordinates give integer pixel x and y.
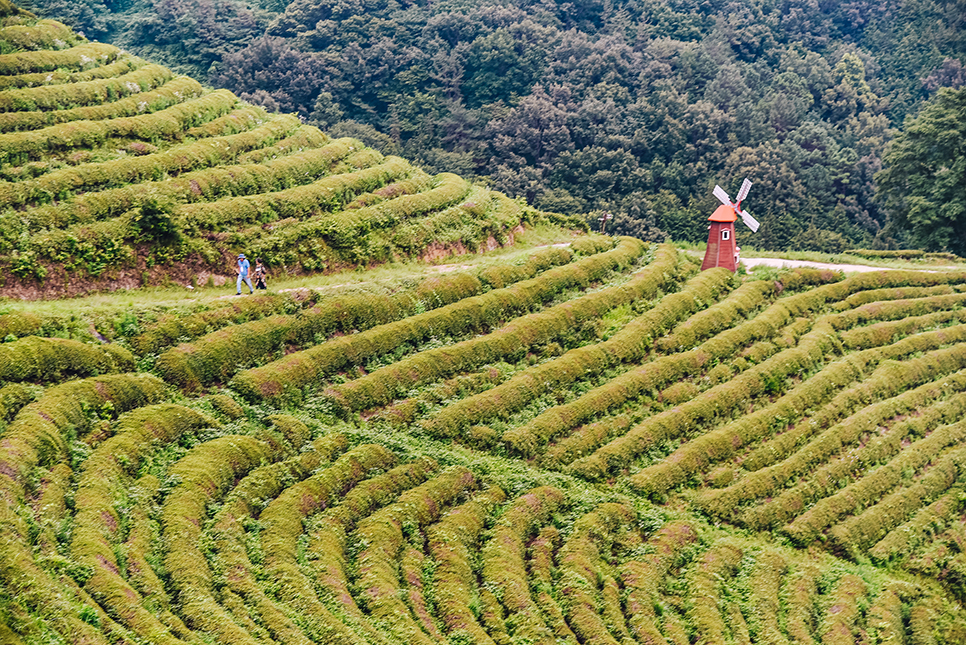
{"type": "Point", "coordinates": [721, 236]}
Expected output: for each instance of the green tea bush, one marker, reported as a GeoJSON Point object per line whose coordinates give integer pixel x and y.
{"type": "Point", "coordinates": [629, 344]}
{"type": "Point", "coordinates": [76, 58]}
{"type": "Point", "coordinates": [828, 479]}
{"type": "Point", "coordinates": [171, 93]}
{"type": "Point", "coordinates": [44, 34]}
{"type": "Point", "coordinates": [584, 575]}
{"type": "Point", "coordinates": [19, 323]}
{"type": "Point", "coordinates": [382, 386]}
{"type": "Point", "coordinates": [503, 559]}
{"type": "Point", "coordinates": [45, 359]}
{"type": "Point", "coordinates": [884, 333]}
{"type": "Point", "coordinates": [453, 543]}
{"type": "Point", "coordinates": [170, 328]}
{"type": "Point", "coordinates": [764, 482]}
{"type": "Point", "coordinates": [13, 397]}
{"type": "Point", "coordinates": [706, 584]}
{"type": "Point", "coordinates": [896, 309]}
{"type": "Point", "coordinates": [164, 124]}
{"type": "Point", "coordinates": [93, 92]}
{"type": "Point", "coordinates": [710, 405]}
{"type": "Point", "coordinates": [39, 433]}
{"type": "Point", "coordinates": [91, 206]}
{"type": "Point", "coordinates": [642, 577]}
{"type": "Point", "coordinates": [928, 522]}
{"type": "Point", "coordinates": [896, 293]}
{"type": "Point", "coordinates": [288, 375]}
{"type": "Point", "coordinates": [873, 486]}
{"type": "Point", "coordinates": [383, 538]}
{"type": "Point", "coordinates": [122, 65]}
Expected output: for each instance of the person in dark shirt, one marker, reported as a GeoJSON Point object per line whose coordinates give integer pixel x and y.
{"type": "Point", "coordinates": [261, 275]}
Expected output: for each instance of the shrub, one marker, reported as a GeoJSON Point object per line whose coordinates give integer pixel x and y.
{"type": "Point", "coordinates": [287, 376]}
{"type": "Point", "coordinates": [43, 359]}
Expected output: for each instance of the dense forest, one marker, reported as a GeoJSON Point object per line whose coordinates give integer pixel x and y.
{"type": "Point", "coordinates": [634, 107]}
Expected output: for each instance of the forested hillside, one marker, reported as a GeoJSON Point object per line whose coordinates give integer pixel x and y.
{"type": "Point", "coordinates": [118, 173]}
{"type": "Point", "coordinates": [635, 107]}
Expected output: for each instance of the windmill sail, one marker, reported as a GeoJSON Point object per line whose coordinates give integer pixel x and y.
{"type": "Point", "coordinates": [749, 221]}
{"type": "Point", "coordinates": [743, 191]}
{"type": "Point", "coordinates": [720, 193]}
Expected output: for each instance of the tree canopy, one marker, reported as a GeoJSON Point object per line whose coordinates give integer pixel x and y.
{"type": "Point", "coordinates": [591, 105]}
{"type": "Point", "coordinates": [924, 180]}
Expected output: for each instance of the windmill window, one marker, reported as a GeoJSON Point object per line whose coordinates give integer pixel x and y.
{"type": "Point", "coordinates": [725, 234]}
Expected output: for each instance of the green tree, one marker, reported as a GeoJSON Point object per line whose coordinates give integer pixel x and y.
{"type": "Point", "coordinates": [923, 185]}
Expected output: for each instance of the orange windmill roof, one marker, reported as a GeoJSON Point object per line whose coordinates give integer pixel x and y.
{"type": "Point", "coordinates": [723, 213]}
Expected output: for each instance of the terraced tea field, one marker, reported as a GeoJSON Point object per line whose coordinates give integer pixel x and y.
{"type": "Point", "coordinates": [583, 444]}
{"type": "Point", "coordinates": [589, 442]}
{"type": "Point", "coordinates": [117, 173]}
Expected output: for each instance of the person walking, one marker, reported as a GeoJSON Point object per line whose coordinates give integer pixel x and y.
{"type": "Point", "coordinates": [261, 275]}
{"type": "Point", "coordinates": [243, 266]}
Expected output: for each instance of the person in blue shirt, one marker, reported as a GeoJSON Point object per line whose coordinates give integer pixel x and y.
{"type": "Point", "coordinates": [243, 267]}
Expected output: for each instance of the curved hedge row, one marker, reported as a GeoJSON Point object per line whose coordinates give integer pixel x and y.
{"type": "Point", "coordinates": [724, 442]}
{"type": "Point", "coordinates": [95, 91]}
{"type": "Point", "coordinates": [169, 93]}
{"type": "Point", "coordinates": [629, 344]}
{"type": "Point", "coordinates": [872, 487]}
{"type": "Point", "coordinates": [44, 34]}
{"type": "Point", "coordinates": [163, 124]}
{"type": "Point", "coordinates": [38, 434]}
{"type": "Point", "coordinates": [298, 202]}
{"type": "Point", "coordinates": [221, 353]}
{"type": "Point", "coordinates": [77, 58]}
{"type": "Point", "coordinates": [90, 206]}
{"type": "Point", "coordinates": [762, 483]}
{"type": "Point", "coordinates": [705, 408]}
{"type": "Point", "coordinates": [290, 374]}
{"type": "Point", "coordinates": [828, 479]}
{"type": "Point", "coordinates": [562, 418]}
{"type": "Point", "coordinates": [122, 65]}
{"type": "Point", "coordinates": [388, 383]}
{"type": "Point", "coordinates": [46, 359]}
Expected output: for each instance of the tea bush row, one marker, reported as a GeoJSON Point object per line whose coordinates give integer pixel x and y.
{"type": "Point", "coordinates": [325, 194]}
{"type": "Point", "coordinates": [859, 532]}
{"type": "Point", "coordinates": [221, 353]}
{"type": "Point", "coordinates": [872, 486]}
{"type": "Point", "coordinates": [164, 124]}
{"type": "Point", "coordinates": [926, 523]}
{"type": "Point", "coordinates": [724, 442]}
{"type": "Point", "coordinates": [662, 370]}
{"type": "Point", "coordinates": [101, 485]}
{"type": "Point", "coordinates": [347, 227]}
{"type": "Point", "coordinates": [764, 482]}
{"type": "Point", "coordinates": [385, 384]}
{"type": "Point", "coordinates": [896, 309]}
{"type": "Point", "coordinates": [122, 65]}
{"type": "Point", "coordinates": [76, 58]}
{"type": "Point", "coordinates": [151, 100]}
{"type": "Point", "coordinates": [503, 567]}
{"type": "Point", "coordinates": [710, 405]}
{"type": "Point", "coordinates": [46, 359]}
{"type": "Point", "coordinates": [705, 586]}
{"type": "Point", "coordinates": [642, 577]}
{"type": "Point", "coordinates": [59, 184]}
{"type": "Point", "coordinates": [44, 34]}
{"type": "Point", "coordinates": [869, 296]}
{"type": "Point", "coordinates": [289, 375]}
{"type": "Point", "coordinates": [828, 479]}
{"type": "Point", "coordinates": [629, 344]}
{"type": "Point", "coordinates": [589, 593]}
{"type": "Point", "coordinates": [384, 541]}
{"type": "Point", "coordinates": [38, 434]}
{"type": "Point", "coordinates": [886, 332]}
{"type": "Point", "coordinates": [84, 93]}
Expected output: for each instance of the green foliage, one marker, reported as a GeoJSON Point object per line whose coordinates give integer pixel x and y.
{"type": "Point", "coordinates": [921, 184]}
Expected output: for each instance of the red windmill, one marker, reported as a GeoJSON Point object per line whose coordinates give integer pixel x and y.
{"type": "Point", "coordinates": [722, 251]}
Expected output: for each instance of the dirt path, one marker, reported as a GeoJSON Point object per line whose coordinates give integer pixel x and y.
{"type": "Point", "coordinates": [780, 262]}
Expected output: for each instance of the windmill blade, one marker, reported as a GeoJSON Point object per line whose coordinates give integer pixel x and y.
{"type": "Point", "coordinates": [720, 193]}
{"type": "Point", "coordinates": [749, 221]}
{"type": "Point", "coordinates": [743, 191]}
